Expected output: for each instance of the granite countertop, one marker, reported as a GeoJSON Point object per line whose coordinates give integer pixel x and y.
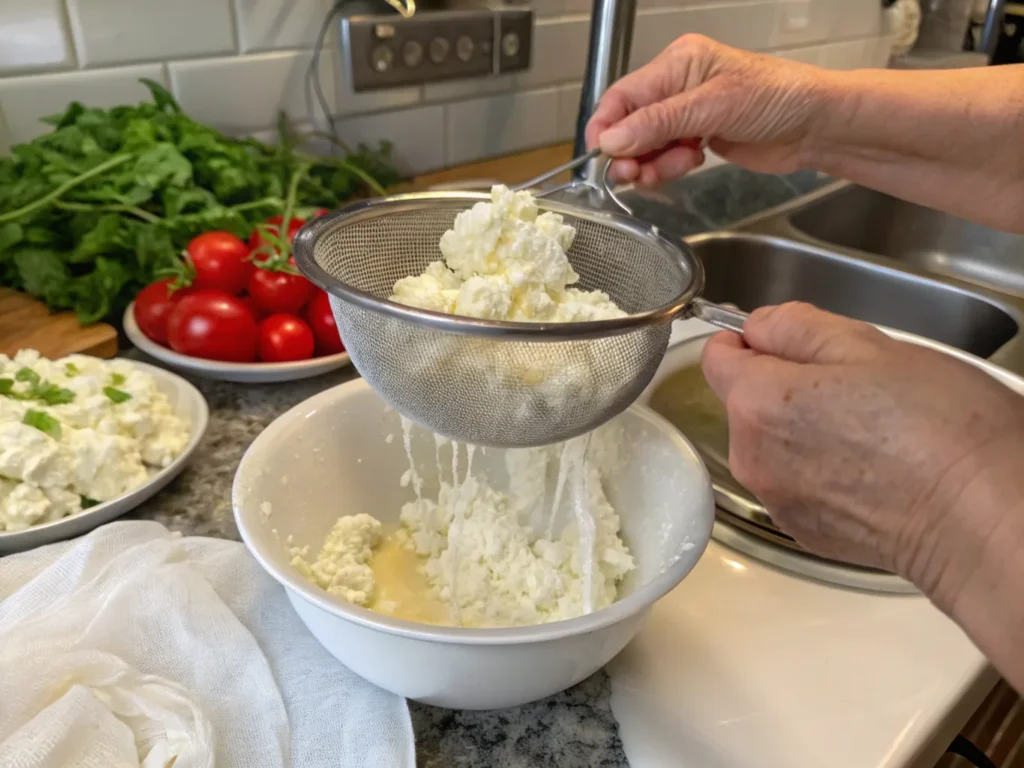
{"type": "Point", "coordinates": [574, 729]}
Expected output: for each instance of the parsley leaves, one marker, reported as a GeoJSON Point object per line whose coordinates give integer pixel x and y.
{"type": "Point", "coordinates": [99, 207]}
{"type": "Point", "coordinates": [37, 389]}
{"type": "Point", "coordinates": [44, 422]}
{"type": "Point", "coordinates": [116, 395]}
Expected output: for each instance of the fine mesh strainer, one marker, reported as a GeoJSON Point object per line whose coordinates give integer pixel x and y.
{"type": "Point", "coordinates": [508, 384]}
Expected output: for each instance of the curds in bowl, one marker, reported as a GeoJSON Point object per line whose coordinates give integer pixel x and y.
{"type": "Point", "coordinates": [415, 588]}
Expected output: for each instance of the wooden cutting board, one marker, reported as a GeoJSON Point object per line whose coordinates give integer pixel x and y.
{"type": "Point", "coordinates": [26, 323]}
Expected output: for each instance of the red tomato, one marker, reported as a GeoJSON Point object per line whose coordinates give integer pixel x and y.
{"type": "Point", "coordinates": [213, 325]}
{"type": "Point", "coordinates": [277, 291]}
{"type": "Point", "coordinates": [153, 306]}
{"type": "Point", "coordinates": [253, 306]}
{"type": "Point", "coordinates": [285, 338]}
{"type": "Point", "coordinates": [320, 212]}
{"type": "Point", "coordinates": [321, 320]}
{"type": "Point", "coordinates": [255, 241]}
{"type": "Point", "coordinates": [221, 262]}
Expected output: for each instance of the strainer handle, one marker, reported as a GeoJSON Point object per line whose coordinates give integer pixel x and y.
{"type": "Point", "coordinates": [719, 315]}
{"type": "Point", "coordinates": [538, 180]}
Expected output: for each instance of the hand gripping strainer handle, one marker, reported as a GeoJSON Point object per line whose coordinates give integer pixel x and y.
{"type": "Point", "coordinates": [720, 315]}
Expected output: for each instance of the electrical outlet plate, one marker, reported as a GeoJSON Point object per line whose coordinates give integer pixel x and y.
{"type": "Point", "coordinates": [389, 51]}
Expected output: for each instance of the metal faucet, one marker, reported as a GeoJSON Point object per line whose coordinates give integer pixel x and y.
{"type": "Point", "coordinates": [611, 34]}
{"type": "Point", "coordinates": [992, 28]}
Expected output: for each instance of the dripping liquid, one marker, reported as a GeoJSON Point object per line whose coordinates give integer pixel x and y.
{"type": "Point", "coordinates": [572, 464]}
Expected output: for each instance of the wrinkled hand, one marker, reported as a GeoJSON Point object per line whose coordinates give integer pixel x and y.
{"type": "Point", "coordinates": [756, 111]}
{"type": "Point", "coordinates": [869, 449]}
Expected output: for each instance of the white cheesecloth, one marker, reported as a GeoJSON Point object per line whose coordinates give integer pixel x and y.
{"type": "Point", "coordinates": [132, 646]}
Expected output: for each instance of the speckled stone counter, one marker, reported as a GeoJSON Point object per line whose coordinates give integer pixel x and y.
{"type": "Point", "coordinates": [575, 729]}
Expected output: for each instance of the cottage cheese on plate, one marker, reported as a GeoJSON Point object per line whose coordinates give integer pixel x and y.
{"type": "Point", "coordinates": [78, 431]}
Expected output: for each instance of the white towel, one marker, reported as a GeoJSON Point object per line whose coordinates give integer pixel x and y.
{"type": "Point", "coordinates": [132, 646]}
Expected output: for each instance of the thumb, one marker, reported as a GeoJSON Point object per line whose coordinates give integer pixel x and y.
{"type": "Point", "coordinates": [802, 333]}
{"type": "Point", "coordinates": [687, 115]}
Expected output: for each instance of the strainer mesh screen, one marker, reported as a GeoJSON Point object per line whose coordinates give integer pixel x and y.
{"type": "Point", "coordinates": [491, 390]}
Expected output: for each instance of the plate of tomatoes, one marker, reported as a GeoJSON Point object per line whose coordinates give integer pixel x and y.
{"type": "Point", "coordinates": [238, 311]}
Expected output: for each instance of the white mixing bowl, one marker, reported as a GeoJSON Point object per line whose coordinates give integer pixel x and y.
{"type": "Point", "coordinates": [331, 456]}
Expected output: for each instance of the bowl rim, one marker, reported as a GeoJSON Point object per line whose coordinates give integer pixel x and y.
{"type": "Point", "coordinates": [641, 599]}
{"type": "Point", "coordinates": [200, 423]}
{"type": "Point", "coordinates": [203, 365]}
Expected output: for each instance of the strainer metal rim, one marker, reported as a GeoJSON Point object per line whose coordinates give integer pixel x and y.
{"type": "Point", "coordinates": [303, 250]}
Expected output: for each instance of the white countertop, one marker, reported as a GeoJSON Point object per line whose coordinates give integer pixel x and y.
{"type": "Point", "coordinates": [743, 665]}
{"type": "Point", "coordinates": [746, 666]}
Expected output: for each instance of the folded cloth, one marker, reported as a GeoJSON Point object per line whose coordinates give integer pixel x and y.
{"type": "Point", "coordinates": [133, 646]}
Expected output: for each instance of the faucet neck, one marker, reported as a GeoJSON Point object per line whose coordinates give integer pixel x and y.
{"type": "Point", "coordinates": [611, 34]}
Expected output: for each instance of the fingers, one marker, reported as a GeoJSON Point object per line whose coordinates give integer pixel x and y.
{"type": "Point", "coordinates": [723, 360]}
{"type": "Point", "coordinates": [649, 128]}
{"type": "Point", "coordinates": [681, 67]}
{"type": "Point", "coordinates": [649, 84]}
{"type": "Point", "coordinates": [653, 169]}
{"type": "Point", "coordinates": [624, 170]}
{"type": "Point", "coordinates": [670, 164]}
{"type": "Point", "coordinates": [802, 333]}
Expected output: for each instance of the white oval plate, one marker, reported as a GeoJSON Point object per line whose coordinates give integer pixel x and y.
{"type": "Point", "coordinates": [244, 373]}
{"type": "Point", "coordinates": [188, 403]}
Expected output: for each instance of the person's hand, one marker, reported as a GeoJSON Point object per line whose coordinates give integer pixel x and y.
{"type": "Point", "coordinates": [756, 111]}
{"type": "Point", "coordinates": [869, 449]}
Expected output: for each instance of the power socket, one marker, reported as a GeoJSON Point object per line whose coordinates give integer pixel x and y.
{"type": "Point", "coordinates": [392, 51]}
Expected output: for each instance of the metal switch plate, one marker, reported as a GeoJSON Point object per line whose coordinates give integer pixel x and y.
{"type": "Point", "coordinates": [391, 51]}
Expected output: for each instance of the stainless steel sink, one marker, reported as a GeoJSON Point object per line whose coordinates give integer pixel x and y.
{"type": "Point", "coordinates": [752, 270]}
{"type": "Point", "coordinates": [895, 264]}
{"type": "Point", "coordinates": [865, 220]}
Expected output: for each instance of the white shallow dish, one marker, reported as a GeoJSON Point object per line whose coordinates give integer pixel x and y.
{"type": "Point", "coordinates": [188, 403]}
{"type": "Point", "coordinates": [243, 373]}
{"type": "Point", "coordinates": [330, 456]}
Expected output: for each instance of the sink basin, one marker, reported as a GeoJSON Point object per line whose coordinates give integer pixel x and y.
{"type": "Point", "coordinates": [865, 220]}
{"type": "Point", "coordinates": [753, 270]}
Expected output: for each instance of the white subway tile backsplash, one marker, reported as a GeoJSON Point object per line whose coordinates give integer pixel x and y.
{"type": "Point", "coordinates": [471, 88]}
{"type": "Point", "coordinates": [122, 31]}
{"type": "Point", "coordinates": [257, 87]}
{"type": "Point", "coordinates": [417, 136]}
{"type": "Point", "coordinates": [559, 52]}
{"type": "Point", "coordinates": [747, 25]}
{"type": "Point", "coordinates": [33, 37]}
{"type": "Point", "coordinates": [856, 18]}
{"type": "Point", "coordinates": [578, 6]}
{"type": "Point", "coordinates": [266, 25]}
{"type": "Point", "coordinates": [882, 53]}
{"type": "Point", "coordinates": [568, 110]}
{"type": "Point", "coordinates": [319, 145]}
{"type": "Point", "coordinates": [809, 55]}
{"type": "Point", "coordinates": [849, 54]}
{"type": "Point", "coordinates": [799, 22]}
{"type": "Point", "coordinates": [433, 125]}
{"type": "Point", "coordinates": [26, 99]}
{"type": "Point", "coordinates": [501, 124]}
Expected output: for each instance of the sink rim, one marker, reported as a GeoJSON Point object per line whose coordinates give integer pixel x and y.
{"type": "Point", "coordinates": [776, 222]}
